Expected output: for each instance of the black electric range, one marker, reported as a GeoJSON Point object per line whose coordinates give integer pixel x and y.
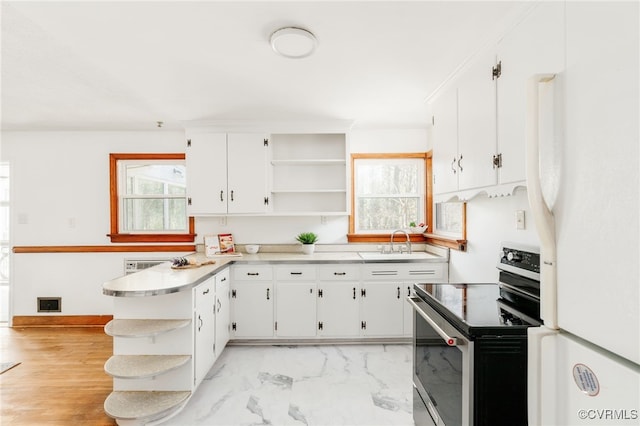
{"type": "Point", "coordinates": [477, 309]}
{"type": "Point", "coordinates": [470, 345]}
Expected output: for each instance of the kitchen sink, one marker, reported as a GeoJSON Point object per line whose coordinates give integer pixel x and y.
{"type": "Point", "coordinates": [374, 255]}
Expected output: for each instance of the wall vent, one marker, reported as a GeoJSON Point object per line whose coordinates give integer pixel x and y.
{"type": "Point", "coordinates": [49, 304]}
{"type": "Point", "coordinates": [135, 265]}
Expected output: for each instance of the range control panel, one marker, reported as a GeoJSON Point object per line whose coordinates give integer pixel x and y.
{"type": "Point", "coordinates": [521, 260]}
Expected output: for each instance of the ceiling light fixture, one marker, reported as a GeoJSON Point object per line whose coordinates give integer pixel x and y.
{"type": "Point", "coordinates": [292, 42]}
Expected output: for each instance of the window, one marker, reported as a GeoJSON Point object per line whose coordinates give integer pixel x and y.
{"type": "Point", "coordinates": [389, 191]}
{"type": "Point", "coordinates": [451, 218]}
{"type": "Point", "coordinates": [149, 198]}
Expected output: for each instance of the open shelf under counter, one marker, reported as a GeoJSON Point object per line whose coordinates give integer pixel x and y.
{"type": "Point", "coordinates": [143, 327]}
{"type": "Point", "coordinates": [144, 406]}
{"type": "Point", "coordinates": [143, 366]}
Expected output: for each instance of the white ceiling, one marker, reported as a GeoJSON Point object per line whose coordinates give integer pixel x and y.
{"type": "Point", "coordinates": [122, 65]}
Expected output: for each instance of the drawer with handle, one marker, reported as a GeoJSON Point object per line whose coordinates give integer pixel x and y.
{"type": "Point", "coordinates": [295, 273]}
{"type": "Point", "coordinates": [252, 273]}
{"type": "Point", "coordinates": [339, 272]}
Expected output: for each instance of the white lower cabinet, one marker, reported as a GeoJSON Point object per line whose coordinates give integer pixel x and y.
{"type": "Point", "coordinates": [296, 309]}
{"type": "Point", "coordinates": [339, 301]}
{"type": "Point", "coordinates": [407, 310]}
{"type": "Point", "coordinates": [295, 301]}
{"type": "Point", "coordinates": [222, 309]}
{"type": "Point", "coordinates": [204, 329]}
{"type": "Point", "coordinates": [382, 304]}
{"type": "Point", "coordinates": [391, 284]}
{"type": "Point", "coordinates": [252, 301]}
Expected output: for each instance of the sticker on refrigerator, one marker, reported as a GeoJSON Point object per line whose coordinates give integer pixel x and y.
{"type": "Point", "coordinates": [586, 379]}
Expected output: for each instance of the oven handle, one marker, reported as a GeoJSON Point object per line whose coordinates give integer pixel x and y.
{"type": "Point", "coordinates": [451, 341]}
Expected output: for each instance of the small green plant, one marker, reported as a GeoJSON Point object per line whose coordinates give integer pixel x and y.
{"type": "Point", "coordinates": [307, 238]}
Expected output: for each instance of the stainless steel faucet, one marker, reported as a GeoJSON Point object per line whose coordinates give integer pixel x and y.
{"type": "Point", "coordinates": [408, 239]}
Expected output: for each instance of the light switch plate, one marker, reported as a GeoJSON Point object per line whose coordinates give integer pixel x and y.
{"type": "Point", "coordinates": [520, 219]}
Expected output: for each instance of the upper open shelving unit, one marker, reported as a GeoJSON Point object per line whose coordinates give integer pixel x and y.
{"type": "Point", "coordinates": [309, 173]}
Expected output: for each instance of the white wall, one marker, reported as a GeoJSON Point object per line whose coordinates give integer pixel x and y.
{"type": "Point", "coordinates": [489, 222]}
{"type": "Point", "coordinates": [60, 196]}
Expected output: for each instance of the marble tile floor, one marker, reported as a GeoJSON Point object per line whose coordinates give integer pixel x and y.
{"type": "Point", "coordinates": [329, 385]}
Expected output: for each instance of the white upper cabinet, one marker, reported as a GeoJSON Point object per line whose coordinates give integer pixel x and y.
{"type": "Point", "coordinates": [445, 151]}
{"type": "Point", "coordinates": [464, 128]}
{"type": "Point", "coordinates": [226, 173]}
{"type": "Point", "coordinates": [535, 46]}
{"type": "Point", "coordinates": [206, 159]}
{"type": "Point", "coordinates": [247, 172]}
{"type": "Point", "coordinates": [477, 124]}
{"type": "Point", "coordinates": [280, 169]}
{"type": "Point", "coordinates": [478, 121]}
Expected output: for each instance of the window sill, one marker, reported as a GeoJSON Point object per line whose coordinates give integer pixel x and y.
{"type": "Point", "coordinates": [452, 243]}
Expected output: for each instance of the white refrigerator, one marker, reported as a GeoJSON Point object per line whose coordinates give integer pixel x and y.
{"type": "Point", "coordinates": [583, 186]}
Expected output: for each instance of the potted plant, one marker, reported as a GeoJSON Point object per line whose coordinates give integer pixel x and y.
{"type": "Point", "coordinates": [308, 240]}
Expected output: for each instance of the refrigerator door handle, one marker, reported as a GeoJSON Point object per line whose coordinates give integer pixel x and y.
{"type": "Point", "coordinates": [542, 215]}
{"type": "Point", "coordinates": [535, 373]}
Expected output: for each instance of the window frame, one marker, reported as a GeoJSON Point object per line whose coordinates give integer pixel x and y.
{"type": "Point", "coordinates": [354, 237]}
{"type": "Point", "coordinates": [115, 235]}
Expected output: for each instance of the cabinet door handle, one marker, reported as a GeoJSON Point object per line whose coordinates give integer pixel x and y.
{"type": "Point", "coordinates": [311, 290]}
{"type": "Point", "coordinates": [354, 293]}
{"type": "Point", "coordinates": [295, 273]}
{"type": "Point", "coordinates": [340, 273]}
{"type": "Point", "coordinates": [232, 191]}
{"type": "Point", "coordinates": [200, 322]}
{"type": "Point", "coordinates": [398, 292]}
{"type": "Point", "coordinates": [223, 279]}
{"type": "Point", "coordinates": [253, 274]}
{"type": "Point", "coordinates": [408, 291]}
{"type": "Point", "coordinates": [205, 292]}
{"type": "Point", "coordinates": [219, 305]}
{"type": "Point", "coordinates": [268, 294]}
{"type": "Point", "coordinates": [363, 292]}
{"type": "Point", "coordinates": [452, 166]}
{"type": "Point", "coordinates": [221, 195]}
{"type": "Point", "coordinates": [460, 163]}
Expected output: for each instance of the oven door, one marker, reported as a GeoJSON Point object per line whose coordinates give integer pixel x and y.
{"type": "Point", "coordinates": [442, 369]}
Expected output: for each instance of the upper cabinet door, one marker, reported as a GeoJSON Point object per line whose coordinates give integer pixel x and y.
{"type": "Point", "coordinates": [206, 159]}
{"type": "Point", "coordinates": [445, 151]}
{"type": "Point", "coordinates": [535, 46]}
{"type": "Point", "coordinates": [477, 124]}
{"type": "Point", "coordinates": [247, 172]}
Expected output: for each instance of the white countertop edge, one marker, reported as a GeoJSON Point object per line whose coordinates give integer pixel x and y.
{"type": "Point", "coordinates": [162, 279]}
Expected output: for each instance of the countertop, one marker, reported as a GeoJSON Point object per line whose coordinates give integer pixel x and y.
{"type": "Point", "coordinates": [162, 279]}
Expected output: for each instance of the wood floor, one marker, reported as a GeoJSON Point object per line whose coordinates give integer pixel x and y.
{"type": "Point", "coordinates": [60, 381]}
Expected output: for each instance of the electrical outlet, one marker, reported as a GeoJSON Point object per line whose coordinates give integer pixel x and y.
{"type": "Point", "coordinates": [520, 219]}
